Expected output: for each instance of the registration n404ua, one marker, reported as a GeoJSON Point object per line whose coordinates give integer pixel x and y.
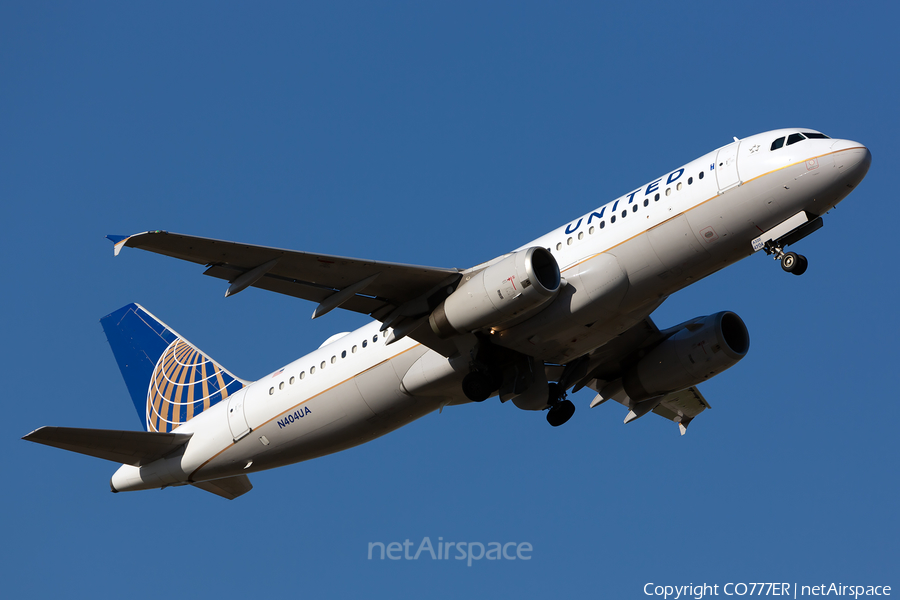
{"type": "Point", "coordinates": [566, 311]}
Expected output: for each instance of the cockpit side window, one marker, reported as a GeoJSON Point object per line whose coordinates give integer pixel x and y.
{"type": "Point", "coordinates": [794, 138]}
{"type": "Point", "coordinates": [777, 144]}
{"type": "Point", "coordinates": [815, 136]}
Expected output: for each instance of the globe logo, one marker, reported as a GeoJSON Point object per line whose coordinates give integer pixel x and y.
{"type": "Point", "coordinates": [185, 382]}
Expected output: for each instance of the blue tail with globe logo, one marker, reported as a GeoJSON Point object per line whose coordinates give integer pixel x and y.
{"type": "Point", "coordinates": [169, 379]}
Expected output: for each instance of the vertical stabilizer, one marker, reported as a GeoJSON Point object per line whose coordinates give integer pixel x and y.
{"type": "Point", "coordinates": [170, 380]}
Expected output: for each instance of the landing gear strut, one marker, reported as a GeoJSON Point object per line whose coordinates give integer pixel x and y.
{"type": "Point", "coordinates": [791, 262]}
{"type": "Point", "coordinates": [561, 410]}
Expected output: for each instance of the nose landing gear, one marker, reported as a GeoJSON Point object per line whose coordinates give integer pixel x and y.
{"type": "Point", "coordinates": [791, 262]}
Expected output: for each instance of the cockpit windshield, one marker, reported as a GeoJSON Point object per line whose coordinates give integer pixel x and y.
{"type": "Point", "coordinates": [798, 137]}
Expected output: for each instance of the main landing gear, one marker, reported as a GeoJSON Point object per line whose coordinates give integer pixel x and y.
{"type": "Point", "coordinates": [561, 410]}
{"type": "Point", "coordinates": [791, 262]}
{"type": "Point", "coordinates": [515, 377]}
{"type": "Point", "coordinates": [478, 385]}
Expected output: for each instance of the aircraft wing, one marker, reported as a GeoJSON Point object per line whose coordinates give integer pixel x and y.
{"type": "Point", "coordinates": [608, 363]}
{"type": "Point", "coordinates": [681, 407]}
{"type": "Point", "coordinates": [396, 294]}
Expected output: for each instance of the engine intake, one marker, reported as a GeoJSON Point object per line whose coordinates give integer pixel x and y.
{"type": "Point", "coordinates": [522, 281]}
{"type": "Point", "coordinates": [702, 348]}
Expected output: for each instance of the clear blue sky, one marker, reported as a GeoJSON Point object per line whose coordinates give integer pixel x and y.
{"type": "Point", "coordinates": [441, 134]}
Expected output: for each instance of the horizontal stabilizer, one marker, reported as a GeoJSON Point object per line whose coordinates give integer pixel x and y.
{"type": "Point", "coordinates": [229, 488]}
{"type": "Point", "coordinates": [134, 448]}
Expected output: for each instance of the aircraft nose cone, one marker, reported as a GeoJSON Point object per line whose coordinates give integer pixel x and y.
{"type": "Point", "coordinates": [865, 160]}
{"type": "Point", "coordinates": [852, 160]}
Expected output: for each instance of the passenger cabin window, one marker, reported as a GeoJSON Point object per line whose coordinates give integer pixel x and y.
{"type": "Point", "coordinates": [777, 144]}
{"type": "Point", "coordinates": [794, 138]}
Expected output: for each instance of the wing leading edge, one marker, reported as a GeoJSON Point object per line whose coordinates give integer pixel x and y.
{"type": "Point", "coordinates": [394, 293]}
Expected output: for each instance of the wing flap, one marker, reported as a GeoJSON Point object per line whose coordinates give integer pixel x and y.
{"type": "Point", "coordinates": [681, 407]}
{"type": "Point", "coordinates": [304, 290]}
{"type": "Point", "coordinates": [134, 448]}
{"type": "Point", "coordinates": [228, 488]}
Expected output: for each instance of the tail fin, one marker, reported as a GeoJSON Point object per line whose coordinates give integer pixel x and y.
{"type": "Point", "coordinates": [170, 380]}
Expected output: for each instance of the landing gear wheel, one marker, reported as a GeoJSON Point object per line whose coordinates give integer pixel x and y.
{"type": "Point", "coordinates": [560, 412]}
{"type": "Point", "coordinates": [478, 386]}
{"type": "Point", "coordinates": [794, 263]}
{"type": "Point", "coordinates": [788, 262]}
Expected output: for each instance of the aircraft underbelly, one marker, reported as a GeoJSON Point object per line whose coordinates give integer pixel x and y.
{"type": "Point", "coordinates": [352, 413]}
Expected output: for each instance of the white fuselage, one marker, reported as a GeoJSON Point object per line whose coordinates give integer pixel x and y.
{"type": "Point", "coordinates": [621, 261]}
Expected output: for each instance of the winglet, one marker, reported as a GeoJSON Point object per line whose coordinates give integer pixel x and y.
{"type": "Point", "coordinates": [682, 426]}
{"type": "Point", "coordinates": [119, 241]}
{"type": "Point", "coordinates": [122, 240]}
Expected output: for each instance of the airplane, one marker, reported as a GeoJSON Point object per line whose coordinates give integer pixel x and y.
{"type": "Point", "coordinates": [567, 311]}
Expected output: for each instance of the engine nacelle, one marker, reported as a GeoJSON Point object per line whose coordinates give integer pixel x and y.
{"type": "Point", "coordinates": [704, 347]}
{"type": "Point", "coordinates": [522, 281]}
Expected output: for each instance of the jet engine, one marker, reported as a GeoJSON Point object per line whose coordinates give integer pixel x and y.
{"type": "Point", "coordinates": [702, 348]}
{"type": "Point", "coordinates": [521, 281]}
